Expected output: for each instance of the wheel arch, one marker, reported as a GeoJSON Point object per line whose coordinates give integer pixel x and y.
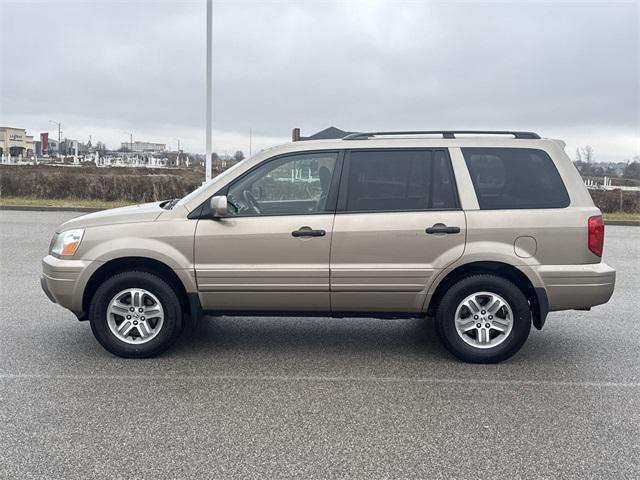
{"type": "Point", "coordinates": [189, 304]}
{"type": "Point", "coordinates": [537, 297]}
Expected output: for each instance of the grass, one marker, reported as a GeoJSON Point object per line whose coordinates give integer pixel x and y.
{"type": "Point", "coordinates": [61, 202]}
{"type": "Point", "coordinates": [622, 216]}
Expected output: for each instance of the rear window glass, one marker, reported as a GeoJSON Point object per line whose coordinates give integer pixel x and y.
{"type": "Point", "coordinates": [508, 178]}
{"type": "Point", "coordinates": [399, 180]}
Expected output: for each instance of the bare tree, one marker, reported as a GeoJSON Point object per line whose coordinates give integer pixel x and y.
{"type": "Point", "coordinates": [588, 154]}
{"type": "Point", "coordinates": [632, 170]}
{"type": "Point", "coordinates": [578, 156]}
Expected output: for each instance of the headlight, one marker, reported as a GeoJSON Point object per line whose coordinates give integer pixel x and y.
{"type": "Point", "coordinates": [66, 243]}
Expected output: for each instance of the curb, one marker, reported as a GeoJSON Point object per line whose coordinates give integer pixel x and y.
{"type": "Point", "coordinates": [625, 223]}
{"type": "Point", "coordinates": [38, 208]}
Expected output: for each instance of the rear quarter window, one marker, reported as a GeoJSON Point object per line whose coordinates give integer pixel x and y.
{"type": "Point", "coordinates": [511, 178]}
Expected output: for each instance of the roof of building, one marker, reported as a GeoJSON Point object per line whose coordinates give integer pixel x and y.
{"type": "Point", "coordinates": [328, 133]}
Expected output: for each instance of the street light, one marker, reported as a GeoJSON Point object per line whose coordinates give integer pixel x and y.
{"type": "Point", "coordinates": [209, 100]}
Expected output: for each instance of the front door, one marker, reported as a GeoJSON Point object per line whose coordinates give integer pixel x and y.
{"type": "Point", "coordinates": [397, 224]}
{"type": "Point", "coordinates": [272, 252]}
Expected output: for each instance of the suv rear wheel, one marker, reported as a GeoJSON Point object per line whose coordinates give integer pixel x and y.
{"type": "Point", "coordinates": [135, 314]}
{"type": "Point", "coordinates": [483, 319]}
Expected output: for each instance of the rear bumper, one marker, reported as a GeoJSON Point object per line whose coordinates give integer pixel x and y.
{"type": "Point", "coordinates": [60, 282]}
{"type": "Point", "coordinates": [577, 286]}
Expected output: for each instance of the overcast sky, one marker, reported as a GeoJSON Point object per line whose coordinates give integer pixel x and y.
{"type": "Point", "coordinates": [567, 70]}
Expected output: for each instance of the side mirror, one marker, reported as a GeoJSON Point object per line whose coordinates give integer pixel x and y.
{"type": "Point", "coordinates": [218, 206]}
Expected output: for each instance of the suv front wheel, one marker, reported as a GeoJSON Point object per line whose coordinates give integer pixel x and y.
{"type": "Point", "coordinates": [483, 319]}
{"type": "Point", "coordinates": [135, 314]}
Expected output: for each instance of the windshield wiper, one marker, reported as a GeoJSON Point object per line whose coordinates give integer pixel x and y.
{"type": "Point", "coordinates": [169, 204]}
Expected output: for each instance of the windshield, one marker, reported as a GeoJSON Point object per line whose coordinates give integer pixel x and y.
{"type": "Point", "coordinates": [204, 186]}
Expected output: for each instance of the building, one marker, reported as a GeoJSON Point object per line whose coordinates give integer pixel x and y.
{"type": "Point", "coordinates": [141, 147]}
{"type": "Point", "coordinates": [328, 133]}
{"type": "Point", "coordinates": [53, 147]}
{"type": "Point", "coordinates": [69, 146]}
{"type": "Point", "coordinates": [15, 143]}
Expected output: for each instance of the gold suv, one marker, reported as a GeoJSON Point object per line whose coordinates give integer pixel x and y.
{"type": "Point", "coordinates": [484, 231]}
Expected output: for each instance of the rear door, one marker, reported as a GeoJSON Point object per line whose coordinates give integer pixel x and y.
{"type": "Point", "coordinates": [397, 223]}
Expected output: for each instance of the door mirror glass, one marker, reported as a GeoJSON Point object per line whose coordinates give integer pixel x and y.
{"type": "Point", "coordinates": [218, 206]}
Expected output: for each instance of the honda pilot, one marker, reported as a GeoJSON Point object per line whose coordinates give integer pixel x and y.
{"type": "Point", "coordinates": [483, 232]}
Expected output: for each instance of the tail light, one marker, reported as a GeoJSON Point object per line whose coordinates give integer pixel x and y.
{"type": "Point", "coordinates": [596, 234]}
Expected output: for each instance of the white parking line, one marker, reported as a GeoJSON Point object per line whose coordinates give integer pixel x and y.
{"type": "Point", "coordinates": [322, 379]}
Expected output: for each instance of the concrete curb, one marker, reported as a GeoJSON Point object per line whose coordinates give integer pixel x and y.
{"type": "Point", "coordinates": [37, 208]}
{"type": "Point", "coordinates": [626, 223]}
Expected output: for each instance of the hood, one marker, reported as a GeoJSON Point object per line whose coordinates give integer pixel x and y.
{"type": "Point", "coordinates": [147, 212]}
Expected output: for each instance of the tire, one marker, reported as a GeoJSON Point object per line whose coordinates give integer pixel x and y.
{"type": "Point", "coordinates": [145, 293]}
{"type": "Point", "coordinates": [503, 338]}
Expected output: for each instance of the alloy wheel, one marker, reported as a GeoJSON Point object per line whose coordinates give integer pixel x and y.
{"type": "Point", "coordinates": [135, 316]}
{"type": "Point", "coordinates": [484, 320]}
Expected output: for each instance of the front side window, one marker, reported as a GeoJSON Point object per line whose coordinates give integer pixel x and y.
{"type": "Point", "coordinates": [511, 178]}
{"type": "Point", "coordinates": [291, 185]}
{"type": "Point", "coordinates": [399, 180]}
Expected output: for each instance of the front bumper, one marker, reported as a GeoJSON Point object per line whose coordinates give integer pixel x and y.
{"type": "Point", "coordinates": [60, 281]}
{"type": "Point", "coordinates": [577, 286]}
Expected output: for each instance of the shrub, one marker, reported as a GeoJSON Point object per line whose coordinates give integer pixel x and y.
{"type": "Point", "coordinates": [609, 200]}
{"type": "Point", "coordinates": [132, 185]}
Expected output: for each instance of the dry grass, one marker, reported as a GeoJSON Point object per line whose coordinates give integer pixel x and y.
{"type": "Point", "coordinates": [61, 202]}
{"type": "Point", "coordinates": [622, 216]}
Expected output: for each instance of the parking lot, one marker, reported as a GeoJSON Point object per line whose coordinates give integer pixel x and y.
{"type": "Point", "coordinates": [296, 397]}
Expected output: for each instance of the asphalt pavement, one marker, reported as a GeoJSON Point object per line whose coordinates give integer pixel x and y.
{"type": "Point", "coordinates": [313, 398]}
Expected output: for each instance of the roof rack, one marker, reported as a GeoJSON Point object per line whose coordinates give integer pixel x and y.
{"type": "Point", "coordinates": [444, 133]}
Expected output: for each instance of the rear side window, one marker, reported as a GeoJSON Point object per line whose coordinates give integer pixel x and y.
{"type": "Point", "coordinates": [509, 178]}
{"type": "Point", "coordinates": [399, 180]}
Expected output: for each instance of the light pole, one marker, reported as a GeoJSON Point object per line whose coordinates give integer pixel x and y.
{"type": "Point", "coordinates": [59, 134]}
{"type": "Point", "coordinates": [209, 96]}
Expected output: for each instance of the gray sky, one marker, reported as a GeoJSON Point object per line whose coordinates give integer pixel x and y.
{"type": "Point", "coordinates": [568, 69]}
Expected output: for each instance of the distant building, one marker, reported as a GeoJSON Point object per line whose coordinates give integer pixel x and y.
{"type": "Point", "coordinates": [326, 134]}
{"type": "Point", "coordinates": [43, 147]}
{"type": "Point", "coordinates": [69, 147]}
{"type": "Point", "coordinates": [223, 162]}
{"type": "Point", "coordinates": [141, 147]}
{"type": "Point", "coordinates": [14, 142]}
{"type": "Point", "coordinates": [53, 147]}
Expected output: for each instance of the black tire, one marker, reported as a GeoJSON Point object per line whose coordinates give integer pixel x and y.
{"type": "Point", "coordinates": [446, 310]}
{"type": "Point", "coordinates": [171, 327]}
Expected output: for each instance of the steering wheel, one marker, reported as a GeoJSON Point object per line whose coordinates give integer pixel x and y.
{"type": "Point", "coordinates": [251, 201]}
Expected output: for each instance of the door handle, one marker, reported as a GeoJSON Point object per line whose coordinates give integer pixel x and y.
{"type": "Point", "coordinates": [308, 232]}
{"type": "Point", "coordinates": [440, 228]}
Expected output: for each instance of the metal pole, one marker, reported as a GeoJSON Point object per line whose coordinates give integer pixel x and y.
{"type": "Point", "coordinates": [209, 100]}
{"type": "Point", "coordinates": [250, 140]}
{"type": "Point", "coordinates": [620, 200]}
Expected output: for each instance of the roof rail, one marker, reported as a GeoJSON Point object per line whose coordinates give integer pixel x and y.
{"type": "Point", "coordinates": [444, 133]}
